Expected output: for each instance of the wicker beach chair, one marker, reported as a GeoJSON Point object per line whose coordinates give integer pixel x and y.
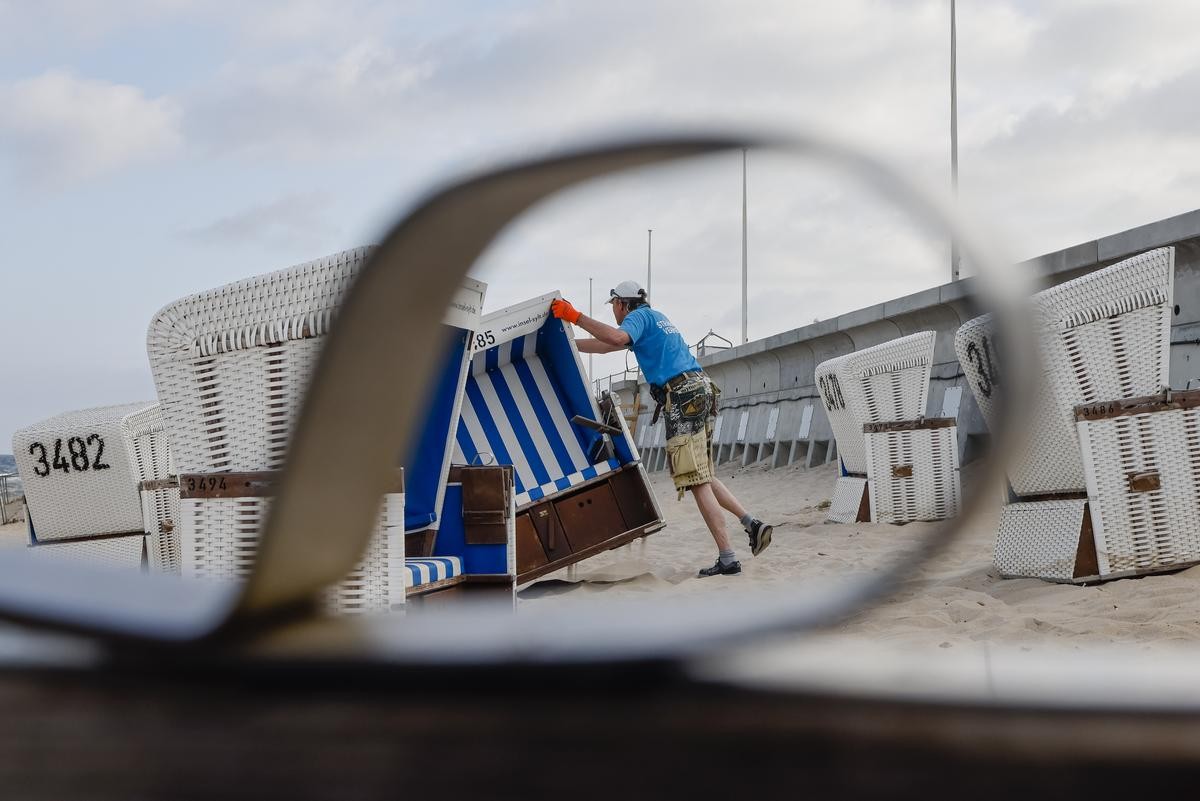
{"type": "Point", "coordinates": [84, 472]}
{"type": "Point", "coordinates": [1099, 482]}
{"type": "Point", "coordinates": [146, 434]}
{"type": "Point", "coordinates": [897, 466]}
{"type": "Point", "coordinates": [231, 366]}
{"type": "Point", "coordinates": [579, 487]}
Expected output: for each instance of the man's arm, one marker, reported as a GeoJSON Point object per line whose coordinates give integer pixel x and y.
{"type": "Point", "coordinates": [615, 338]}
{"type": "Point", "coordinates": [596, 346]}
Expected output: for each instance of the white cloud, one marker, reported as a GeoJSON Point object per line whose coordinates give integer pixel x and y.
{"type": "Point", "coordinates": [288, 222]}
{"type": "Point", "coordinates": [1076, 118]}
{"type": "Point", "coordinates": [58, 128]}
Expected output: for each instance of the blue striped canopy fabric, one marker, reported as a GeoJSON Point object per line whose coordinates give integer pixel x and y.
{"type": "Point", "coordinates": [517, 410]}
{"type": "Point", "coordinates": [427, 570]}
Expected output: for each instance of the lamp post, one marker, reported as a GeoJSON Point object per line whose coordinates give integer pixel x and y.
{"type": "Point", "coordinates": [745, 335]}
{"type": "Point", "coordinates": [954, 256]}
{"type": "Point", "coordinates": [649, 244]}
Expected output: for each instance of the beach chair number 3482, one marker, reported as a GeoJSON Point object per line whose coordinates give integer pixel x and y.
{"type": "Point", "coordinates": [76, 452]}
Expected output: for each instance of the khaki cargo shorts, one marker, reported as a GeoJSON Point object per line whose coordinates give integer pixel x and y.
{"type": "Point", "coordinates": [690, 411]}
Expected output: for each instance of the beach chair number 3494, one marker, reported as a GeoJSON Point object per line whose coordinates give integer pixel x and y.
{"type": "Point", "coordinates": [77, 451]}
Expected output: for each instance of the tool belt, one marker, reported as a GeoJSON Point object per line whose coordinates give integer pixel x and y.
{"type": "Point", "coordinates": [659, 391]}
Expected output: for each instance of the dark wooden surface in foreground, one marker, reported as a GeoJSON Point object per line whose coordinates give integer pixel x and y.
{"type": "Point", "coordinates": [230, 731]}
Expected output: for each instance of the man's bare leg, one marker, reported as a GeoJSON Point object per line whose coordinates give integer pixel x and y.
{"type": "Point", "coordinates": [760, 533]}
{"type": "Point", "coordinates": [710, 510]}
{"type": "Point", "coordinates": [727, 499]}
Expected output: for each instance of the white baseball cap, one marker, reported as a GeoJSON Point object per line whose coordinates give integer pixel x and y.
{"type": "Point", "coordinates": [626, 289]}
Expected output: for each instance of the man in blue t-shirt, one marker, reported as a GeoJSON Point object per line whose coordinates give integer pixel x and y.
{"type": "Point", "coordinates": [688, 396]}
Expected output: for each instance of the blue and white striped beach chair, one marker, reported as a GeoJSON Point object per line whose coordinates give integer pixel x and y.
{"type": "Point", "coordinates": [441, 552]}
{"type": "Point", "coordinates": [526, 395]}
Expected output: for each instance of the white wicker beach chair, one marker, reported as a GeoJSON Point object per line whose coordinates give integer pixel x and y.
{"type": "Point", "coordinates": [912, 468]}
{"type": "Point", "coordinates": [146, 434]}
{"type": "Point", "coordinates": [894, 463]}
{"type": "Point", "coordinates": [81, 474]}
{"type": "Point", "coordinates": [231, 366]}
{"type": "Point", "coordinates": [975, 347]}
{"type": "Point", "coordinates": [1141, 457]}
{"type": "Point", "coordinates": [1103, 337]}
{"type": "Point", "coordinates": [88, 471]}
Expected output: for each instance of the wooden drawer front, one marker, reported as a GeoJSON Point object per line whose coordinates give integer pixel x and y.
{"type": "Point", "coordinates": [530, 554]}
{"type": "Point", "coordinates": [550, 531]}
{"type": "Point", "coordinates": [590, 517]}
{"type": "Point", "coordinates": [633, 499]}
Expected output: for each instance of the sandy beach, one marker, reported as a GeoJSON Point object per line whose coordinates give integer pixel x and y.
{"type": "Point", "coordinates": [12, 534]}
{"type": "Point", "coordinates": [955, 602]}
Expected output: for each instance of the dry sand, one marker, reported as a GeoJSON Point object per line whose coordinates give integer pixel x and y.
{"type": "Point", "coordinates": [12, 534]}
{"type": "Point", "coordinates": [956, 601]}
{"type": "Point", "coordinates": [954, 604]}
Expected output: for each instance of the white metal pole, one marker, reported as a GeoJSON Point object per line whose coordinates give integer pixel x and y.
{"type": "Point", "coordinates": [954, 255]}
{"type": "Point", "coordinates": [745, 334]}
{"type": "Point", "coordinates": [649, 243]}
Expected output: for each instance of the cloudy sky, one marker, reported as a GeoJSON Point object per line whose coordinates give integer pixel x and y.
{"type": "Point", "coordinates": [154, 148]}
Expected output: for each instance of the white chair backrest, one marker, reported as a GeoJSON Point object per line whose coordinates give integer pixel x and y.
{"type": "Point", "coordinates": [231, 366]}
{"type": "Point", "coordinates": [1103, 336]}
{"type": "Point", "coordinates": [882, 384]}
{"type": "Point", "coordinates": [81, 470]}
{"type": "Point", "coordinates": [975, 347]}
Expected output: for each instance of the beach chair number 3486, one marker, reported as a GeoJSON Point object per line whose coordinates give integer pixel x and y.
{"type": "Point", "coordinates": [76, 452]}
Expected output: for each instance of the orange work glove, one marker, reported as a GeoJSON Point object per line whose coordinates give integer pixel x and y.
{"type": "Point", "coordinates": [563, 310]}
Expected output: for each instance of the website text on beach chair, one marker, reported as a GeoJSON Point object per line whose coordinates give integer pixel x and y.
{"type": "Point", "coordinates": [231, 366]}
{"type": "Point", "coordinates": [83, 472]}
{"type": "Point", "coordinates": [1103, 484]}
{"type": "Point", "coordinates": [579, 487]}
{"type": "Point", "coordinates": [897, 465]}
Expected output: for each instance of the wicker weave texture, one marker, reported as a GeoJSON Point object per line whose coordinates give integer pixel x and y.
{"type": "Point", "coordinates": [1039, 539]}
{"type": "Point", "coordinates": [219, 540]}
{"type": "Point", "coordinates": [847, 497]}
{"type": "Point", "coordinates": [231, 366]}
{"type": "Point", "coordinates": [975, 347]}
{"type": "Point", "coordinates": [1102, 336]}
{"type": "Point", "coordinates": [881, 384]}
{"type": "Point", "coordinates": [80, 473]}
{"type": "Point", "coordinates": [913, 475]}
{"type": "Point", "coordinates": [146, 433]}
{"type": "Point", "coordinates": [160, 511]}
{"type": "Point", "coordinates": [1153, 529]}
{"type": "Point", "coordinates": [126, 553]}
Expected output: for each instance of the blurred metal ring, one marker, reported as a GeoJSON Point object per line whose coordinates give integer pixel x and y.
{"type": "Point", "coordinates": [337, 471]}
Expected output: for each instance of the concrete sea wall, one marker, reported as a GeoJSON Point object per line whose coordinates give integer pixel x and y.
{"type": "Point", "coordinates": [770, 411]}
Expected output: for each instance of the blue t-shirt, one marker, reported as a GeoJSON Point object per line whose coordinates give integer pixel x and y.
{"type": "Point", "coordinates": [659, 347]}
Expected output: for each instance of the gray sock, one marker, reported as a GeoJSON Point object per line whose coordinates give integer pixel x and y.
{"type": "Point", "coordinates": [745, 520]}
{"type": "Point", "coordinates": [728, 558]}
